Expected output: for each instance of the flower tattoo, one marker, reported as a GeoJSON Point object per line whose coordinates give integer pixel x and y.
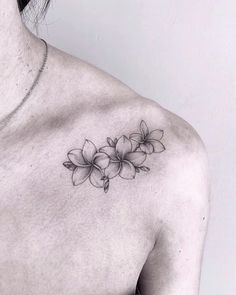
{"type": "Point", "coordinates": [148, 142]}
{"type": "Point", "coordinates": [122, 157]}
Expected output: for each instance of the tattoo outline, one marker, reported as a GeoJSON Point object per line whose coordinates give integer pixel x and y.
{"type": "Point", "coordinates": [123, 156]}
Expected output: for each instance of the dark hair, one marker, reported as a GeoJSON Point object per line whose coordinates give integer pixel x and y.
{"type": "Point", "coordinates": [23, 3]}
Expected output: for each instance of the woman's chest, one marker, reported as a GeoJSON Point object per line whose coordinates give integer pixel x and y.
{"type": "Point", "coordinates": [55, 240]}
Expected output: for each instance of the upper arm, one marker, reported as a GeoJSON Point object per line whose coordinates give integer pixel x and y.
{"type": "Point", "coordinates": [173, 266]}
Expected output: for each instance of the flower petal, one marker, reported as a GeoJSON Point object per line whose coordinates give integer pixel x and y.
{"type": "Point", "coordinates": [101, 160]}
{"type": "Point", "coordinates": [80, 174]}
{"type": "Point", "coordinates": [106, 185]}
{"type": "Point", "coordinates": [69, 165]}
{"type": "Point", "coordinates": [110, 142]}
{"type": "Point", "coordinates": [96, 178]}
{"type": "Point", "coordinates": [113, 169]}
{"type": "Point", "coordinates": [115, 140]}
{"type": "Point", "coordinates": [89, 150]}
{"type": "Point", "coordinates": [76, 157]}
{"type": "Point", "coordinates": [110, 151]}
{"type": "Point", "coordinates": [155, 135]}
{"type": "Point", "coordinates": [127, 170]}
{"type": "Point", "coordinates": [136, 137]}
{"type": "Point", "coordinates": [136, 158]}
{"type": "Point", "coordinates": [135, 145]}
{"type": "Point", "coordinates": [144, 168]}
{"type": "Point", "coordinates": [144, 129]}
{"type": "Point", "coordinates": [147, 148]}
{"type": "Point", "coordinates": [158, 146]}
{"type": "Point", "coordinates": [123, 146]}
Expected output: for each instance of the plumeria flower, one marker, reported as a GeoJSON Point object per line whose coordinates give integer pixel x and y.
{"type": "Point", "coordinates": [148, 142]}
{"type": "Point", "coordinates": [123, 157]}
{"type": "Point", "coordinates": [87, 163]}
{"type": "Point", "coordinates": [123, 161]}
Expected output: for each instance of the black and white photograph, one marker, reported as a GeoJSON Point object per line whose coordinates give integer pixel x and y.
{"type": "Point", "coordinates": [117, 147]}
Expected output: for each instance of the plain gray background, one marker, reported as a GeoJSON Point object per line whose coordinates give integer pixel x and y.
{"type": "Point", "coordinates": [182, 54]}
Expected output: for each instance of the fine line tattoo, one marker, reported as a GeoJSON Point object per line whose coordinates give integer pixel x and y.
{"type": "Point", "coordinates": [122, 157]}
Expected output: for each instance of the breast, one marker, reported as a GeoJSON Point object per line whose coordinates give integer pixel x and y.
{"type": "Point", "coordinates": [53, 242]}
{"type": "Point", "coordinates": [60, 239]}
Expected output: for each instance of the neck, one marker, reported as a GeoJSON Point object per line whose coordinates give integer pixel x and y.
{"type": "Point", "coordinates": [20, 57]}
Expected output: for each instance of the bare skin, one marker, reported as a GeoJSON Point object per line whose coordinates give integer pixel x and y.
{"type": "Point", "coordinates": [56, 238]}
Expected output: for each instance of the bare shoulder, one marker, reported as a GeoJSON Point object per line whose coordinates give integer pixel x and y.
{"type": "Point", "coordinates": [101, 107]}
{"type": "Point", "coordinates": [151, 160]}
{"type": "Point", "coordinates": [186, 178]}
{"type": "Point", "coordinates": [178, 192]}
{"type": "Point", "coordinates": [80, 81]}
{"type": "Point", "coordinates": [177, 185]}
